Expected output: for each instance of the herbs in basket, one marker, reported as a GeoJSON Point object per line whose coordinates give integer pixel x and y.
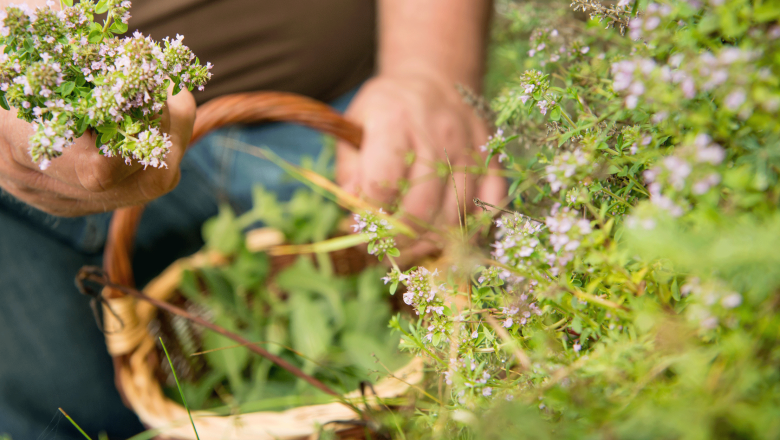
{"type": "Point", "coordinates": [326, 315]}
{"type": "Point", "coordinates": [66, 74]}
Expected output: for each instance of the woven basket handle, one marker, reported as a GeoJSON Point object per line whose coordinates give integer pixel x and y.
{"type": "Point", "coordinates": [240, 108]}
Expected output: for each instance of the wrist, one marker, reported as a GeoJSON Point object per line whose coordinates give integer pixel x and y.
{"type": "Point", "coordinates": [423, 70]}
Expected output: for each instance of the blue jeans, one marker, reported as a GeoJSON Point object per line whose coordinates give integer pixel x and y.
{"type": "Point", "coordinates": [51, 352]}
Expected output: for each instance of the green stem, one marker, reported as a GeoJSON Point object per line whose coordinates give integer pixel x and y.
{"type": "Point", "coordinates": [421, 346]}
{"type": "Point", "coordinates": [592, 209]}
{"type": "Point", "coordinates": [639, 186]}
{"type": "Point", "coordinates": [584, 127]}
{"type": "Point", "coordinates": [109, 17]}
{"type": "Point", "coordinates": [395, 265]}
{"type": "Point", "coordinates": [617, 197]}
{"type": "Point", "coordinates": [568, 119]}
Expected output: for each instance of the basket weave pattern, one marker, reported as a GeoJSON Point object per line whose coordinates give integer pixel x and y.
{"type": "Point", "coordinates": [133, 348]}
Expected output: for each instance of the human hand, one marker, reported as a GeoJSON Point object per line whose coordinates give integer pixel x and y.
{"type": "Point", "coordinates": [82, 181]}
{"type": "Point", "coordinates": [416, 112]}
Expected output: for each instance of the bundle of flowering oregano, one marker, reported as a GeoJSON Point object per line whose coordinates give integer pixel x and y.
{"type": "Point", "coordinates": [67, 74]}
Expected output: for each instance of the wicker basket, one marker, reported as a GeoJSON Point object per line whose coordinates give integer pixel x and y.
{"type": "Point", "coordinates": [133, 348]}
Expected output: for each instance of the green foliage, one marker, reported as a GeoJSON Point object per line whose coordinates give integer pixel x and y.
{"type": "Point", "coordinates": [634, 291]}
{"type": "Point", "coordinates": [333, 327]}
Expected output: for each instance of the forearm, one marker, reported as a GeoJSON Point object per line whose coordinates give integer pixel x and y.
{"type": "Point", "coordinates": [443, 37]}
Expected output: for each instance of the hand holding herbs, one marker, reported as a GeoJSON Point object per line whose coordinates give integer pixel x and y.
{"type": "Point", "coordinates": [75, 86]}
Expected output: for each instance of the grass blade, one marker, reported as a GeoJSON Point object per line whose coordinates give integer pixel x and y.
{"type": "Point", "coordinates": [74, 424]}
{"type": "Point", "coordinates": [181, 392]}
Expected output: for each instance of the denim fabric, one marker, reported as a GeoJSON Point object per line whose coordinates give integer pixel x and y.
{"type": "Point", "coordinates": [51, 352]}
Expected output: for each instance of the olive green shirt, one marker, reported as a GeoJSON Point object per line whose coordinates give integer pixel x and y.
{"type": "Point", "coordinates": [318, 48]}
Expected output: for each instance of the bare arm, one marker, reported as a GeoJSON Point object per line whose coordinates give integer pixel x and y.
{"type": "Point", "coordinates": [443, 36]}
{"type": "Point", "coordinates": [426, 47]}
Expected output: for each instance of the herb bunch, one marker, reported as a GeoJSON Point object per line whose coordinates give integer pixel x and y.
{"type": "Point", "coordinates": [331, 325]}
{"type": "Point", "coordinates": [66, 74]}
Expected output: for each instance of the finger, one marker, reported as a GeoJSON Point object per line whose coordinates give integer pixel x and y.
{"type": "Point", "coordinates": [492, 189]}
{"type": "Point", "coordinates": [66, 201]}
{"type": "Point", "coordinates": [424, 198]}
{"type": "Point", "coordinates": [414, 251]}
{"type": "Point", "coordinates": [81, 165]}
{"type": "Point", "coordinates": [347, 165]}
{"type": "Point", "coordinates": [178, 120]}
{"type": "Point", "coordinates": [381, 160]}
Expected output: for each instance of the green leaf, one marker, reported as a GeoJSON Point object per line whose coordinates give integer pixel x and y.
{"type": "Point", "coordinates": [576, 325]}
{"type": "Point", "coordinates": [229, 361]}
{"type": "Point", "coordinates": [118, 27]}
{"type": "Point", "coordinates": [394, 252]}
{"type": "Point", "coordinates": [101, 7]}
{"type": "Point", "coordinates": [95, 36]}
{"type": "Point", "coordinates": [310, 333]}
{"type": "Point", "coordinates": [4, 102]}
{"type": "Point", "coordinates": [222, 233]}
{"type": "Point", "coordinates": [108, 135]}
{"type": "Point", "coordinates": [67, 88]}
{"type": "Point", "coordinates": [303, 276]}
{"type": "Point", "coordinates": [360, 349]}
{"type": "Point", "coordinates": [68, 2]}
{"type": "Point", "coordinates": [83, 124]}
{"type": "Point", "coordinates": [513, 187]}
{"type": "Point", "coordinates": [489, 158]}
{"type": "Point", "coordinates": [555, 113]}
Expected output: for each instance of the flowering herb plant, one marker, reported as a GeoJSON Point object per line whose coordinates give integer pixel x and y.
{"type": "Point", "coordinates": [630, 289]}
{"type": "Point", "coordinates": [67, 74]}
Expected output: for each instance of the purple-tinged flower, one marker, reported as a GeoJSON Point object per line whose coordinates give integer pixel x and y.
{"type": "Point", "coordinates": [704, 185]}
{"type": "Point", "coordinates": [731, 301]}
{"type": "Point", "coordinates": [735, 99]}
